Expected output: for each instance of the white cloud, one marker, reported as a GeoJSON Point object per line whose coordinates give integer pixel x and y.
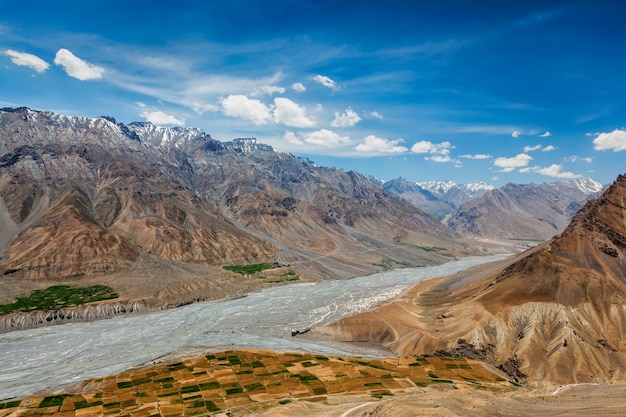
{"type": "Point", "coordinates": [322, 137]}
{"type": "Point", "coordinates": [545, 135]}
{"type": "Point", "coordinates": [575, 158]}
{"type": "Point", "coordinates": [24, 59]}
{"type": "Point", "coordinates": [509, 164]}
{"type": "Point", "coordinates": [516, 133]}
{"type": "Point", "coordinates": [439, 158]}
{"type": "Point", "coordinates": [376, 144]}
{"type": "Point", "coordinates": [326, 82]}
{"type": "Point", "coordinates": [531, 148]}
{"type": "Point", "coordinates": [299, 87]}
{"type": "Point", "coordinates": [291, 138]}
{"type": "Point", "coordinates": [76, 67]}
{"type": "Point", "coordinates": [290, 113]}
{"type": "Point", "coordinates": [237, 105]}
{"type": "Point", "coordinates": [553, 170]}
{"type": "Point", "coordinates": [376, 115]}
{"type": "Point", "coordinates": [425, 146]}
{"type": "Point", "coordinates": [161, 118]}
{"type": "Point", "coordinates": [548, 148]}
{"type": "Point", "coordinates": [615, 140]}
{"type": "Point", "coordinates": [348, 119]}
{"type": "Point", "coordinates": [477, 156]}
{"type": "Point", "coordinates": [283, 111]}
{"type": "Point", "coordinates": [268, 89]}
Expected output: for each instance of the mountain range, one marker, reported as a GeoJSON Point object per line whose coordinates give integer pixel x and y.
{"type": "Point", "coordinates": [555, 313]}
{"type": "Point", "coordinates": [524, 211]}
{"type": "Point", "coordinates": [437, 198]}
{"type": "Point", "coordinates": [156, 212]}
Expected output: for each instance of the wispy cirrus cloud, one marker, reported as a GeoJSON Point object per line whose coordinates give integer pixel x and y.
{"type": "Point", "coordinates": [25, 59]}
{"type": "Point", "coordinates": [476, 156]}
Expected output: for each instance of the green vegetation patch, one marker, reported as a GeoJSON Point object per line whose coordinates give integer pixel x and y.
{"type": "Point", "coordinates": [59, 296]}
{"type": "Point", "coordinates": [234, 360]}
{"type": "Point", "coordinates": [247, 269]}
{"type": "Point", "coordinates": [234, 390]}
{"type": "Point", "coordinates": [10, 404]}
{"type": "Point", "coordinates": [210, 385]}
{"type": "Point", "coordinates": [210, 406]}
{"type": "Point", "coordinates": [52, 401]}
{"type": "Point", "coordinates": [254, 387]}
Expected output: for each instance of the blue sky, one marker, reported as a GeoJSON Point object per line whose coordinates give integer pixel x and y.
{"type": "Point", "coordinates": [460, 90]}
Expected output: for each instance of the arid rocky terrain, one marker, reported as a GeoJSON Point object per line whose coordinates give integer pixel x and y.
{"type": "Point", "coordinates": [554, 314]}
{"type": "Point", "coordinates": [156, 212]}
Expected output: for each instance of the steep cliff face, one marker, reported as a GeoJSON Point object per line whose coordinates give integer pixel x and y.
{"type": "Point", "coordinates": [556, 313]}
{"type": "Point", "coordinates": [88, 197]}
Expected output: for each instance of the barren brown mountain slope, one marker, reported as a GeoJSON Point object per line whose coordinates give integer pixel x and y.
{"type": "Point", "coordinates": [555, 313]}
{"type": "Point", "coordinates": [155, 212]}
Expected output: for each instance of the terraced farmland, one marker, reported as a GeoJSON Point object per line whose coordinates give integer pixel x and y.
{"type": "Point", "coordinates": [244, 382]}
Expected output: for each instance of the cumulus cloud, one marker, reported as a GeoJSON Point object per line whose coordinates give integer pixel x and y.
{"type": "Point", "coordinates": [284, 111]}
{"type": "Point", "coordinates": [162, 118]}
{"type": "Point", "coordinates": [322, 137]}
{"type": "Point", "coordinates": [24, 59]}
{"type": "Point", "coordinates": [299, 87]}
{"type": "Point", "coordinates": [376, 144]}
{"type": "Point", "coordinates": [509, 164]}
{"type": "Point", "coordinates": [326, 82]}
{"type": "Point", "coordinates": [440, 151]}
{"type": "Point", "coordinates": [615, 141]}
{"type": "Point", "coordinates": [347, 119]}
{"type": "Point", "coordinates": [376, 115]}
{"type": "Point", "coordinates": [425, 146]}
{"type": "Point", "coordinates": [237, 105]}
{"type": "Point", "coordinates": [548, 148]}
{"type": "Point", "coordinates": [516, 133]}
{"type": "Point", "coordinates": [477, 156]}
{"type": "Point", "coordinates": [545, 135]}
{"type": "Point", "coordinates": [554, 170]}
{"type": "Point", "coordinates": [76, 67]}
{"type": "Point", "coordinates": [290, 113]}
{"type": "Point", "coordinates": [292, 138]}
{"type": "Point", "coordinates": [531, 148]}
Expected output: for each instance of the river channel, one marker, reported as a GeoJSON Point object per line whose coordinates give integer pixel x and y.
{"type": "Point", "coordinates": [45, 358]}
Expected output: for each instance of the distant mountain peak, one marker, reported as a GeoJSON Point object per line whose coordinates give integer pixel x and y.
{"type": "Point", "coordinates": [247, 145]}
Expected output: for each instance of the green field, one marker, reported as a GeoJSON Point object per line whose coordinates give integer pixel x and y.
{"type": "Point", "coordinates": [59, 296]}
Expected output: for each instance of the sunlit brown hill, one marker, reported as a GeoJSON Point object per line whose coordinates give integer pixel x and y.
{"type": "Point", "coordinates": [556, 313]}
{"type": "Point", "coordinates": [89, 197]}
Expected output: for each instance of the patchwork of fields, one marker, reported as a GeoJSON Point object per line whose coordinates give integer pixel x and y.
{"type": "Point", "coordinates": [243, 382]}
